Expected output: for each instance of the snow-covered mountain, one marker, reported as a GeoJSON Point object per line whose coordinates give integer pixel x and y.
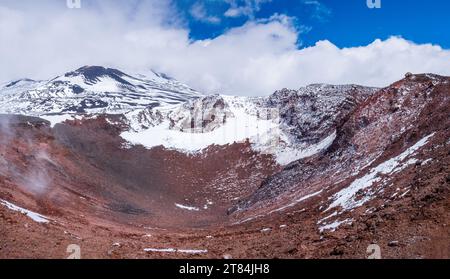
{"type": "Point", "coordinates": [93, 90]}
{"type": "Point", "coordinates": [290, 124]}
{"type": "Point", "coordinates": [158, 110]}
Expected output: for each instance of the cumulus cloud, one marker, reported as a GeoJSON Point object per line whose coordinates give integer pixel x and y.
{"type": "Point", "coordinates": [198, 11]}
{"type": "Point", "coordinates": [248, 8]}
{"type": "Point", "coordinates": [254, 59]}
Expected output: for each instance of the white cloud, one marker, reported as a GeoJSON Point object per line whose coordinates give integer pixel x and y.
{"type": "Point", "coordinates": [198, 11]}
{"type": "Point", "coordinates": [257, 58]}
{"type": "Point", "coordinates": [247, 9]}
{"type": "Point", "coordinates": [320, 11]}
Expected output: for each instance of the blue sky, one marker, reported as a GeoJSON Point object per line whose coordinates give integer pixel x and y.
{"type": "Point", "coordinates": [346, 23]}
{"type": "Point", "coordinates": [237, 47]}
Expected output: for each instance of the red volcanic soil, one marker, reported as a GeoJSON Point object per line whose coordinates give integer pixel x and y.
{"type": "Point", "coordinates": [115, 201]}
{"type": "Point", "coordinates": [93, 184]}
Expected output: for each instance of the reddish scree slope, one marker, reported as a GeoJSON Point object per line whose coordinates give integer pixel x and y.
{"type": "Point", "coordinates": [115, 202]}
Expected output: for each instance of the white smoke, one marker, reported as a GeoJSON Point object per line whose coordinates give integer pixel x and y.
{"type": "Point", "coordinates": [23, 160]}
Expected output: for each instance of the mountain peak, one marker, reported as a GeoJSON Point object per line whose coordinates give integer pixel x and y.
{"type": "Point", "coordinates": [93, 74]}
{"type": "Point", "coordinates": [162, 75]}
{"type": "Point", "coordinates": [19, 81]}
{"type": "Point", "coordinates": [94, 89]}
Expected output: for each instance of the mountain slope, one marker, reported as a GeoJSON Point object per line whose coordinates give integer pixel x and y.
{"type": "Point", "coordinates": [93, 89]}
{"type": "Point", "coordinates": [290, 124]}
{"type": "Point", "coordinates": [365, 166]}
{"type": "Point", "coordinates": [158, 110]}
{"type": "Point", "coordinates": [402, 128]}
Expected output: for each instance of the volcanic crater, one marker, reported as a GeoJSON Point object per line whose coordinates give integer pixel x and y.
{"type": "Point", "coordinates": [385, 179]}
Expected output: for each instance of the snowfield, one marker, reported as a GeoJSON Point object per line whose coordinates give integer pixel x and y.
{"type": "Point", "coordinates": [245, 123]}
{"type": "Point", "coordinates": [237, 129]}
{"type": "Point", "coordinates": [346, 198]}
{"type": "Point", "coordinates": [33, 215]}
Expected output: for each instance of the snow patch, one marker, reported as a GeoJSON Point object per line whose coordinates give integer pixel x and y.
{"type": "Point", "coordinates": [346, 198]}
{"type": "Point", "coordinates": [190, 208]}
{"type": "Point", "coordinates": [297, 201]}
{"type": "Point", "coordinates": [336, 224]}
{"type": "Point", "coordinates": [173, 250]}
{"type": "Point", "coordinates": [163, 250]}
{"type": "Point", "coordinates": [290, 154]}
{"type": "Point", "coordinates": [328, 217]}
{"type": "Point", "coordinates": [55, 119]}
{"type": "Point", "coordinates": [405, 193]}
{"type": "Point", "coordinates": [33, 215]}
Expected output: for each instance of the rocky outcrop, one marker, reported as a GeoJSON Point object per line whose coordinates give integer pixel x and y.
{"type": "Point", "coordinates": [311, 113]}
{"type": "Point", "coordinates": [201, 115]}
